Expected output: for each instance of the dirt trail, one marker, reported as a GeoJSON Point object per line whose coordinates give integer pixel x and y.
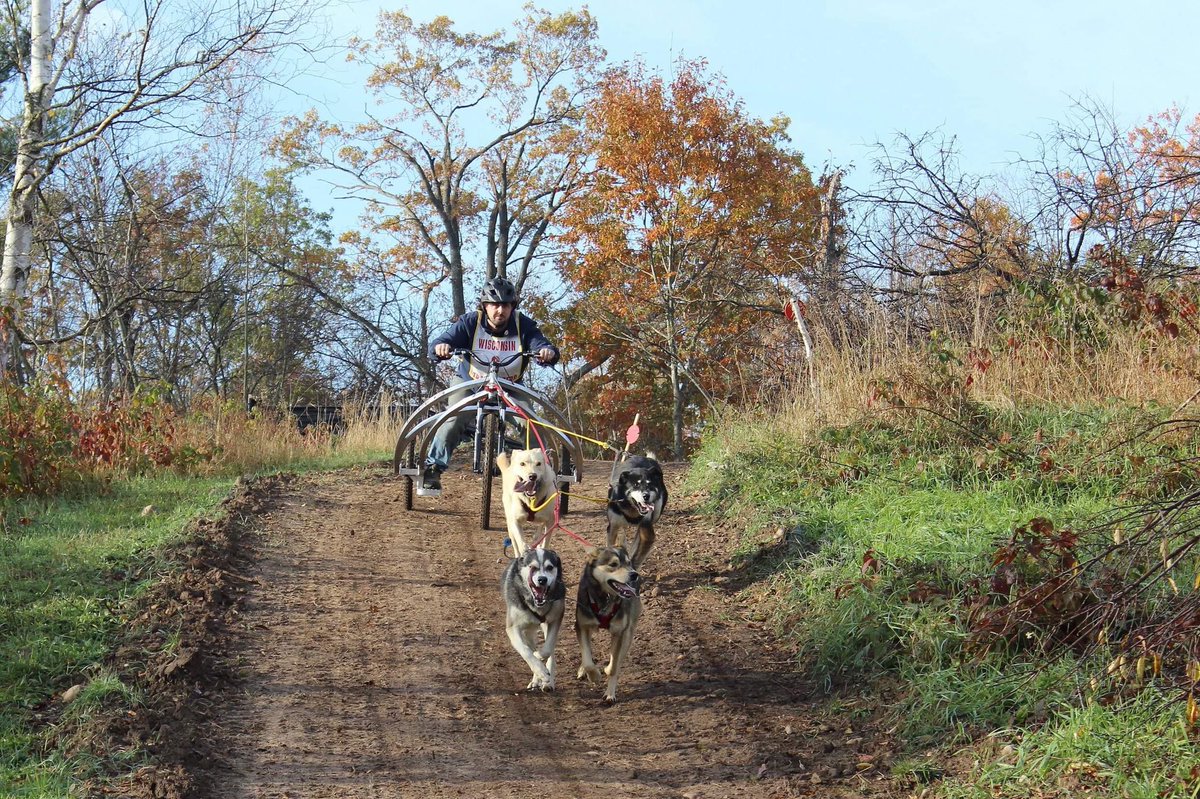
{"type": "Point", "coordinates": [373, 663]}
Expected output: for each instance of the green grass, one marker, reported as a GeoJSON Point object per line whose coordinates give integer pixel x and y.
{"type": "Point", "coordinates": [893, 524]}
{"type": "Point", "coordinates": [67, 571]}
{"type": "Point", "coordinates": [1139, 749]}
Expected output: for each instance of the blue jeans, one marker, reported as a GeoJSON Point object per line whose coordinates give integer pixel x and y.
{"type": "Point", "coordinates": [450, 434]}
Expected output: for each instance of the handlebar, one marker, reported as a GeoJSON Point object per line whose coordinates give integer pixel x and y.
{"type": "Point", "coordinates": [495, 359]}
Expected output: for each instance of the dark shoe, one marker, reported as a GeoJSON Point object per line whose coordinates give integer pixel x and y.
{"type": "Point", "coordinates": [431, 482]}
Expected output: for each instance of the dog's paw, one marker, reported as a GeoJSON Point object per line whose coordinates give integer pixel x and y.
{"type": "Point", "coordinates": [592, 674]}
{"type": "Point", "coordinates": [540, 683]}
{"type": "Point", "coordinates": [542, 680]}
{"type": "Point", "coordinates": [610, 697]}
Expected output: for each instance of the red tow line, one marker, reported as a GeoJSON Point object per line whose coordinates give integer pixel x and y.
{"type": "Point", "coordinates": [557, 525]}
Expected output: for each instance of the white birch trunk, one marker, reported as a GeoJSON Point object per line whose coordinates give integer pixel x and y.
{"type": "Point", "coordinates": [22, 201]}
{"type": "Point", "coordinates": [806, 337]}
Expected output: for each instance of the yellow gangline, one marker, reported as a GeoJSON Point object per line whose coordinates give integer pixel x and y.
{"type": "Point", "coordinates": [536, 508]}
{"type": "Point", "coordinates": [549, 499]}
{"type": "Point", "coordinates": [589, 499]}
{"type": "Point", "coordinates": [549, 426]}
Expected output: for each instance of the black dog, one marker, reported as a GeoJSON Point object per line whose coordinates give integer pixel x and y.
{"type": "Point", "coordinates": [637, 495]}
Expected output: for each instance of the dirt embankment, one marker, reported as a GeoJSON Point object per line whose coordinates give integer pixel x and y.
{"type": "Point", "coordinates": [367, 658]}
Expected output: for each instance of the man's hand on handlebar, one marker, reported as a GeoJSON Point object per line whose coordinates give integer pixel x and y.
{"type": "Point", "coordinates": [443, 351]}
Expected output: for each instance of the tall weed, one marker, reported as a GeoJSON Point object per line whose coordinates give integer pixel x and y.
{"type": "Point", "coordinates": [38, 440]}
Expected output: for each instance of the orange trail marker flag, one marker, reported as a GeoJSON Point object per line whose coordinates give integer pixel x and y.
{"type": "Point", "coordinates": [631, 435]}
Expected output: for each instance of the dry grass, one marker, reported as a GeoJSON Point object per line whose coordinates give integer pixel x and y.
{"type": "Point", "coordinates": [369, 432]}
{"type": "Point", "coordinates": [1135, 368]}
{"type": "Point", "coordinates": [225, 439]}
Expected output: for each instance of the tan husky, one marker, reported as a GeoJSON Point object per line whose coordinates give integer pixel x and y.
{"type": "Point", "coordinates": [607, 600]}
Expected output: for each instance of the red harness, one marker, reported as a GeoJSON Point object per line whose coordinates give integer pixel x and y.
{"type": "Point", "coordinates": [603, 618]}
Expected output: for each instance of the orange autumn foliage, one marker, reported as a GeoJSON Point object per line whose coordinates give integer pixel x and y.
{"type": "Point", "coordinates": [694, 213]}
{"type": "Point", "coordinates": [1142, 195]}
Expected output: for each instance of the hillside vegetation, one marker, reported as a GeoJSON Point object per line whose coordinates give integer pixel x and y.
{"type": "Point", "coordinates": [1000, 552]}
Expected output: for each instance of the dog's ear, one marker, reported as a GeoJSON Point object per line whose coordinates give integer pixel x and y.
{"type": "Point", "coordinates": [502, 461]}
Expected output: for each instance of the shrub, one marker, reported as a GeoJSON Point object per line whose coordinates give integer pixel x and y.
{"type": "Point", "coordinates": [38, 435]}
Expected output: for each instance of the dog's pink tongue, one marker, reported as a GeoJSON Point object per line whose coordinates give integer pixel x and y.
{"type": "Point", "coordinates": [625, 590]}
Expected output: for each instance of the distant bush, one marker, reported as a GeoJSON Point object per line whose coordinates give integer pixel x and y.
{"type": "Point", "coordinates": [128, 438]}
{"type": "Point", "coordinates": [49, 441]}
{"type": "Point", "coordinates": [52, 440]}
{"type": "Point", "coordinates": [38, 440]}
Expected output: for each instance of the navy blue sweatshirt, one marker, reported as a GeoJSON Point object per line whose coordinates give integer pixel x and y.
{"type": "Point", "coordinates": [461, 336]}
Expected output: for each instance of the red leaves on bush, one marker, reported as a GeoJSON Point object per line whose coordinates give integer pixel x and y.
{"type": "Point", "coordinates": [1137, 303]}
{"type": "Point", "coordinates": [36, 440]}
{"type": "Point", "coordinates": [129, 437]}
{"type": "Point", "coordinates": [1032, 593]}
{"type": "Point", "coordinates": [48, 441]}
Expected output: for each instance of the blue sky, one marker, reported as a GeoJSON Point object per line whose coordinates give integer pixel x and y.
{"type": "Point", "coordinates": [854, 72]}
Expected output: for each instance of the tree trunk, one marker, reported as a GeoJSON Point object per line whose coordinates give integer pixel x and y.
{"type": "Point", "coordinates": [18, 240]}
{"type": "Point", "coordinates": [829, 299]}
{"type": "Point", "coordinates": [677, 411]}
{"type": "Point", "coordinates": [809, 354]}
{"type": "Point", "coordinates": [128, 352]}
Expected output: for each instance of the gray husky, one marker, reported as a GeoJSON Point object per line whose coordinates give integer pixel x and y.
{"type": "Point", "coordinates": [535, 598]}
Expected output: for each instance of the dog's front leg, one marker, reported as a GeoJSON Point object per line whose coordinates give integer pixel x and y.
{"type": "Point", "coordinates": [587, 664]}
{"type": "Point", "coordinates": [522, 641]}
{"type": "Point", "coordinates": [610, 536]}
{"type": "Point", "coordinates": [645, 540]}
{"type": "Point", "coordinates": [620, 647]}
{"type": "Point", "coordinates": [544, 541]}
{"type": "Point", "coordinates": [550, 633]}
{"type": "Point", "coordinates": [514, 535]}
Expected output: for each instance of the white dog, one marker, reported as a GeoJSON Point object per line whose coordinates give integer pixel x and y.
{"type": "Point", "coordinates": [528, 495]}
